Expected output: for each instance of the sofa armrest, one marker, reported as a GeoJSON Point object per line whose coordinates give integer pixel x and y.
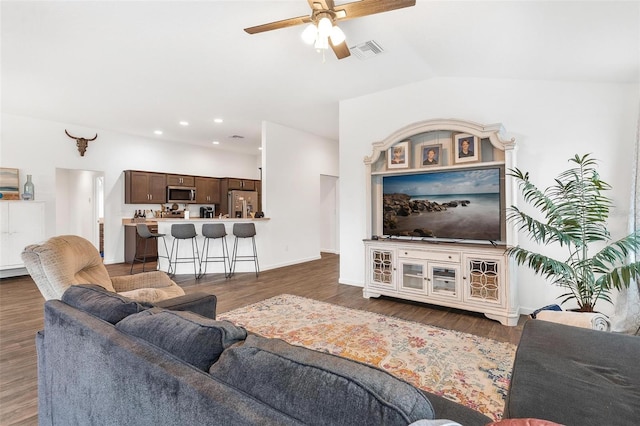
{"type": "Point", "coordinates": [153, 279]}
{"type": "Point", "coordinates": [199, 303]}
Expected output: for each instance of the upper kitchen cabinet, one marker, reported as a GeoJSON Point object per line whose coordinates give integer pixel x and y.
{"type": "Point", "coordinates": [144, 187]}
{"type": "Point", "coordinates": [241, 184]}
{"type": "Point", "coordinates": [234, 184]}
{"type": "Point", "coordinates": [207, 190]}
{"type": "Point", "coordinates": [180, 180]}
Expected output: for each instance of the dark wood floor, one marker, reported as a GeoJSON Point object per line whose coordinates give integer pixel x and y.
{"type": "Point", "coordinates": [21, 316]}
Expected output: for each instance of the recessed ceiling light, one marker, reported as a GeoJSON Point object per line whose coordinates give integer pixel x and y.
{"type": "Point", "coordinates": [184, 123]}
{"type": "Point", "coordinates": [157, 132]}
{"type": "Point", "coordinates": [260, 148]}
{"type": "Point", "coordinates": [217, 120]}
{"type": "Point", "coordinates": [215, 142]}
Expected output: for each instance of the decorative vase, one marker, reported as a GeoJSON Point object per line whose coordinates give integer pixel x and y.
{"type": "Point", "coordinates": [29, 189]}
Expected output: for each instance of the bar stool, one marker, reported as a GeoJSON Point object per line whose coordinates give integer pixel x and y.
{"type": "Point", "coordinates": [241, 231]}
{"type": "Point", "coordinates": [143, 231]}
{"type": "Point", "coordinates": [185, 231]}
{"type": "Point", "coordinates": [214, 231]}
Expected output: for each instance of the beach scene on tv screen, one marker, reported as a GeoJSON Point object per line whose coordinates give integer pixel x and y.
{"type": "Point", "coordinates": [459, 205]}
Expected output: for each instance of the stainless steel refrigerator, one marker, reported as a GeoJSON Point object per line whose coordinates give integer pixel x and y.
{"type": "Point", "coordinates": [242, 203]}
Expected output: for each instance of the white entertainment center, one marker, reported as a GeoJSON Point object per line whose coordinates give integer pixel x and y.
{"type": "Point", "coordinates": [418, 264]}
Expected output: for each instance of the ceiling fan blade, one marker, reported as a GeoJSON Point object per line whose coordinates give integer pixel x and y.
{"type": "Point", "coordinates": [370, 7]}
{"type": "Point", "coordinates": [341, 50]}
{"type": "Point", "coordinates": [321, 4]}
{"type": "Point", "coordinates": [291, 22]}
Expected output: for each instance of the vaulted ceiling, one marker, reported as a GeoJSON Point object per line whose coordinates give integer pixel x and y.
{"type": "Point", "coordinates": [140, 66]}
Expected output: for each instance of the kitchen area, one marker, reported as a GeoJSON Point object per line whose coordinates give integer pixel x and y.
{"type": "Point", "coordinates": [188, 199]}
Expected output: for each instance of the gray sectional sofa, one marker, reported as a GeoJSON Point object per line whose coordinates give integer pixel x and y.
{"type": "Point", "coordinates": [107, 360]}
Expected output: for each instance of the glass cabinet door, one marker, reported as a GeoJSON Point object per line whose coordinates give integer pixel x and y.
{"type": "Point", "coordinates": [413, 277]}
{"type": "Point", "coordinates": [382, 269]}
{"type": "Point", "coordinates": [444, 281]}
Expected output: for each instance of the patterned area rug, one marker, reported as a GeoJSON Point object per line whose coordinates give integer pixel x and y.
{"type": "Point", "coordinates": [471, 370]}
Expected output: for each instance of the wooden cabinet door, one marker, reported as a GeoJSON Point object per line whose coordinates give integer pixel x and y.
{"type": "Point", "coordinates": [145, 187]}
{"type": "Point", "coordinates": [180, 180]}
{"type": "Point", "coordinates": [249, 185]}
{"type": "Point", "coordinates": [234, 183]}
{"type": "Point", "coordinates": [215, 191]}
{"type": "Point", "coordinates": [138, 187]}
{"type": "Point", "coordinates": [207, 190]}
{"type": "Point", "coordinates": [157, 188]}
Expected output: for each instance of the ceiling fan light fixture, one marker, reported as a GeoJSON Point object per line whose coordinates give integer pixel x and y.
{"type": "Point", "coordinates": [337, 35]}
{"type": "Point", "coordinates": [324, 27]}
{"type": "Point", "coordinates": [309, 34]}
{"type": "Point", "coordinates": [322, 43]}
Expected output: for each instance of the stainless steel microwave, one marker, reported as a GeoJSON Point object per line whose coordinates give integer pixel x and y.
{"type": "Point", "coordinates": [181, 194]}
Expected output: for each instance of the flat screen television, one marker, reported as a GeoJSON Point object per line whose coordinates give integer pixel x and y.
{"type": "Point", "coordinates": [461, 205]}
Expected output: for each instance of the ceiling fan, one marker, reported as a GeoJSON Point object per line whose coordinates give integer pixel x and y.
{"type": "Point", "coordinates": [322, 30]}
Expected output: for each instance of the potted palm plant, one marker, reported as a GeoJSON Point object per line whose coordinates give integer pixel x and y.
{"type": "Point", "coordinates": [575, 213]}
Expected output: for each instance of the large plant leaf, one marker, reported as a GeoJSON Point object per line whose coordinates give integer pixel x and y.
{"type": "Point", "coordinates": [542, 265]}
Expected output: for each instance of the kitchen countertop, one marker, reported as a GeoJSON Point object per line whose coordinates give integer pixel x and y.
{"type": "Point", "coordinates": [153, 221]}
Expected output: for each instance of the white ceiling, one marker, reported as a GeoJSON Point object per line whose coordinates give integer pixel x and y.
{"type": "Point", "coordinates": [135, 67]}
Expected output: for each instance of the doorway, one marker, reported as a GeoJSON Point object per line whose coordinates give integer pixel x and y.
{"type": "Point", "coordinates": [329, 227]}
{"type": "Point", "coordinates": [80, 205]}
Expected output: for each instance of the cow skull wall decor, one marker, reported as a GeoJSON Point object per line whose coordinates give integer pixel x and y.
{"type": "Point", "coordinates": [81, 143]}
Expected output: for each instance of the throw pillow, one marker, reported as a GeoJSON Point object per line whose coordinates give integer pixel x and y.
{"type": "Point", "coordinates": [196, 340]}
{"type": "Point", "coordinates": [524, 422]}
{"type": "Point", "coordinates": [100, 302]}
{"type": "Point", "coordinates": [319, 388]}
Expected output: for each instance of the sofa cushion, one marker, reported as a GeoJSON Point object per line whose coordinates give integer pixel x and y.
{"type": "Point", "coordinates": [320, 388]}
{"type": "Point", "coordinates": [100, 302]}
{"type": "Point", "coordinates": [576, 376]}
{"type": "Point", "coordinates": [194, 339]}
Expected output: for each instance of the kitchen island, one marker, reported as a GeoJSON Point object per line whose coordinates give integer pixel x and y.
{"type": "Point", "coordinates": [244, 245]}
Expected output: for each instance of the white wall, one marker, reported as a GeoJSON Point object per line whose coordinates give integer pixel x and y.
{"type": "Point", "coordinates": [293, 162]}
{"type": "Point", "coordinates": [291, 186]}
{"type": "Point", "coordinates": [551, 122]}
{"type": "Point", "coordinates": [38, 147]}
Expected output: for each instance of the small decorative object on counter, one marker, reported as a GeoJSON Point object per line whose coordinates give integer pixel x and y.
{"type": "Point", "coordinates": [29, 189]}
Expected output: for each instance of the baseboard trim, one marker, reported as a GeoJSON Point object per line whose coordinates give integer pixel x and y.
{"type": "Point", "coordinates": [15, 272]}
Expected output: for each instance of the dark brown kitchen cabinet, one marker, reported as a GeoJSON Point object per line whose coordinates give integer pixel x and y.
{"type": "Point", "coordinates": [144, 187]}
{"type": "Point", "coordinates": [241, 184]}
{"type": "Point", "coordinates": [133, 241]}
{"type": "Point", "coordinates": [207, 190]}
{"type": "Point", "coordinates": [180, 180]}
{"type": "Point", "coordinates": [231, 184]}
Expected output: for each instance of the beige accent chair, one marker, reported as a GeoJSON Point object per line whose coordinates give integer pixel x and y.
{"type": "Point", "coordinates": [68, 260]}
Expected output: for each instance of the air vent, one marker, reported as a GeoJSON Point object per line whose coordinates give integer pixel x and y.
{"type": "Point", "coordinates": [367, 50]}
{"type": "Point", "coordinates": [236, 137]}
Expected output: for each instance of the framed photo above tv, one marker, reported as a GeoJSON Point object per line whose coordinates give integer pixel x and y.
{"type": "Point", "coordinates": [466, 148]}
{"type": "Point", "coordinates": [431, 155]}
{"type": "Point", "coordinates": [399, 156]}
